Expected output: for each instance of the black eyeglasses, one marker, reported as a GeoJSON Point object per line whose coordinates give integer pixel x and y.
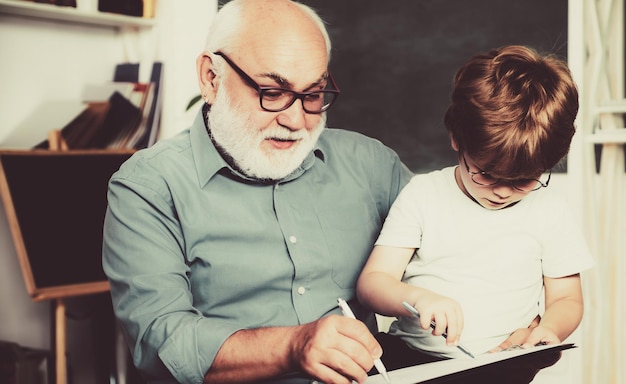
{"type": "Point", "coordinates": [524, 185]}
{"type": "Point", "coordinates": [276, 99]}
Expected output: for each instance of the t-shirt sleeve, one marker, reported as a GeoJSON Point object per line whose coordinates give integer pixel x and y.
{"type": "Point", "coordinates": [565, 250]}
{"type": "Point", "coordinates": [403, 226]}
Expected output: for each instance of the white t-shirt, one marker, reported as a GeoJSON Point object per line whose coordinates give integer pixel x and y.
{"type": "Point", "coordinates": [490, 261]}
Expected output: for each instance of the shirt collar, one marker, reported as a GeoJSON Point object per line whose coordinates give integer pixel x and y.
{"type": "Point", "coordinates": [207, 159]}
{"type": "Point", "coordinates": [209, 162]}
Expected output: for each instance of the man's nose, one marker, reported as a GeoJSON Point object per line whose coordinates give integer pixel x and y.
{"type": "Point", "coordinates": [293, 117]}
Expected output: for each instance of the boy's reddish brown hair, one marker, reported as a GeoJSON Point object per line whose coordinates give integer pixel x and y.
{"type": "Point", "coordinates": [512, 111]}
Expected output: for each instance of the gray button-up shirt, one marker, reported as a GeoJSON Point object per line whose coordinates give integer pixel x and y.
{"type": "Point", "coordinates": [194, 251]}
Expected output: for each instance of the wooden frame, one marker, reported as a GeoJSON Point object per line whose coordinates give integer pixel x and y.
{"type": "Point", "coordinates": [13, 163]}
{"type": "Point", "coordinates": [50, 290]}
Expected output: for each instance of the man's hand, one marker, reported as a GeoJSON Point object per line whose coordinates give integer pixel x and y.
{"type": "Point", "coordinates": [518, 337]}
{"type": "Point", "coordinates": [335, 349]}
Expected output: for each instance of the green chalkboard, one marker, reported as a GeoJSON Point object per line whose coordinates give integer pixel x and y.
{"type": "Point", "coordinates": [55, 204]}
{"type": "Point", "coordinates": [394, 62]}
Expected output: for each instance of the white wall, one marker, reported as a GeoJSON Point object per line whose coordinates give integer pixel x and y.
{"type": "Point", "coordinates": [182, 39]}
{"type": "Point", "coordinates": [50, 60]}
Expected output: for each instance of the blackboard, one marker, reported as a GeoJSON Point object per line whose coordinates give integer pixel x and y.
{"type": "Point", "coordinates": [55, 204]}
{"type": "Point", "coordinates": [394, 62]}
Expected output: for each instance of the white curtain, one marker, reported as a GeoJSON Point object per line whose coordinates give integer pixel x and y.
{"type": "Point", "coordinates": [605, 195]}
{"type": "Point", "coordinates": [602, 108]}
{"type": "Point", "coordinates": [604, 334]}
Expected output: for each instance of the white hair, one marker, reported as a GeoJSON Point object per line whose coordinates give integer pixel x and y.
{"type": "Point", "coordinates": [227, 24]}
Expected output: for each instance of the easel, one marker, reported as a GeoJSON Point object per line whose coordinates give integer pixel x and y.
{"type": "Point", "coordinates": [60, 341]}
{"type": "Point", "coordinates": [57, 143]}
{"type": "Point", "coordinates": [57, 164]}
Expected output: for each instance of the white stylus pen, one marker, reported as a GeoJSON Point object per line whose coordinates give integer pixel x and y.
{"type": "Point", "coordinates": [347, 312]}
{"type": "Point", "coordinates": [414, 312]}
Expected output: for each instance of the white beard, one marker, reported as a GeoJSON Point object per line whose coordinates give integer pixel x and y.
{"type": "Point", "coordinates": [233, 131]}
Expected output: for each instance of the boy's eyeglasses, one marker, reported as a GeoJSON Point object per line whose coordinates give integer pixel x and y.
{"type": "Point", "coordinates": [276, 99]}
{"type": "Point", "coordinates": [524, 185]}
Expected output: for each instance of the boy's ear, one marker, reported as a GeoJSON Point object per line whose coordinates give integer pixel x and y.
{"type": "Point", "coordinates": [206, 77]}
{"type": "Point", "coordinates": [453, 143]}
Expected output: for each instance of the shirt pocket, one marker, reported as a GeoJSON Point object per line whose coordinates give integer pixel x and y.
{"type": "Point", "coordinates": [350, 229]}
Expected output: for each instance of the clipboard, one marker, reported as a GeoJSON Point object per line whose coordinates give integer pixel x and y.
{"type": "Point", "coordinates": [431, 372]}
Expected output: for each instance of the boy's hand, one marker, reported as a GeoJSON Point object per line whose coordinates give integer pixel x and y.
{"type": "Point", "coordinates": [541, 335]}
{"type": "Point", "coordinates": [518, 337]}
{"type": "Point", "coordinates": [445, 312]}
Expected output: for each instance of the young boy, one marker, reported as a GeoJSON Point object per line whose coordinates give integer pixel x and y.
{"type": "Point", "coordinates": [473, 247]}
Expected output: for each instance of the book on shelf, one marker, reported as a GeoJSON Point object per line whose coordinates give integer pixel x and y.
{"type": "Point", "coordinates": [117, 117]}
{"type": "Point", "coordinates": [63, 3]}
{"type": "Point", "coordinates": [129, 72]}
{"type": "Point", "coordinates": [110, 115]}
{"type": "Point", "coordinates": [122, 7]}
{"type": "Point", "coordinates": [121, 118]}
{"type": "Point", "coordinates": [75, 134]}
{"type": "Point", "coordinates": [141, 97]}
{"type": "Point", "coordinates": [126, 72]}
{"type": "Point", "coordinates": [149, 8]}
{"type": "Point", "coordinates": [107, 122]}
{"type": "Point", "coordinates": [153, 122]}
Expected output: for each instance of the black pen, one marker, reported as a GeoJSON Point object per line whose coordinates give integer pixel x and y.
{"type": "Point", "coordinates": [415, 313]}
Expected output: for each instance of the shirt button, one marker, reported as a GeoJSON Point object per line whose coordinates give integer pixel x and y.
{"type": "Point", "coordinates": [292, 239]}
{"type": "Point", "coordinates": [301, 290]}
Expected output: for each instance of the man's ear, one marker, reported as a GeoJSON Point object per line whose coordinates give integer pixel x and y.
{"type": "Point", "coordinates": [453, 143]}
{"type": "Point", "coordinates": [206, 77]}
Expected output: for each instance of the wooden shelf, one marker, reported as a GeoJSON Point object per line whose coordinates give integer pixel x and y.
{"type": "Point", "coordinates": [613, 106]}
{"type": "Point", "coordinates": [613, 135]}
{"type": "Point", "coordinates": [72, 15]}
{"type": "Point", "coordinates": [607, 136]}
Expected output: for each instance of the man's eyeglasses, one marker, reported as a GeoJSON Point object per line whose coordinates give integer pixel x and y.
{"type": "Point", "coordinates": [276, 99]}
{"type": "Point", "coordinates": [524, 185]}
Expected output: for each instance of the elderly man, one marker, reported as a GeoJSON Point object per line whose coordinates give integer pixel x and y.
{"type": "Point", "coordinates": [228, 245]}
